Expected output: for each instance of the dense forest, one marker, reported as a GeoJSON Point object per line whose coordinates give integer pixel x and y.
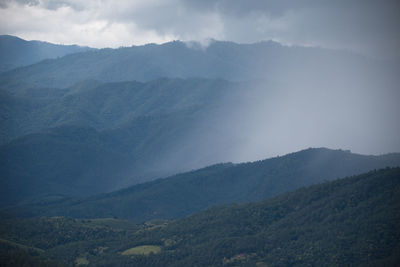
{"type": "Point", "coordinates": [352, 222]}
{"type": "Point", "coordinates": [93, 131]}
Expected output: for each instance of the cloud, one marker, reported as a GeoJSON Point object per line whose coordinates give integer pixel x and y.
{"type": "Point", "coordinates": [90, 24]}
{"type": "Point", "coordinates": [365, 26]}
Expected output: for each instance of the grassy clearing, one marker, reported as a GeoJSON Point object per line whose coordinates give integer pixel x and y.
{"type": "Point", "coordinates": [142, 250]}
{"type": "Point", "coordinates": [81, 261]}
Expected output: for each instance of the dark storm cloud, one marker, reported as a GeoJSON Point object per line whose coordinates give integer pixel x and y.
{"type": "Point", "coordinates": [240, 7]}
{"type": "Point", "coordinates": [279, 7]}
{"type": "Point", "coordinates": [365, 26]}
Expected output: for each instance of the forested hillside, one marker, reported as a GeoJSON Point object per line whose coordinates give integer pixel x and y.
{"type": "Point", "coordinates": [190, 192]}
{"type": "Point", "coordinates": [101, 120]}
{"type": "Point", "coordinates": [224, 60]}
{"type": "Point", "coordinates": [106, 106]}
{"type": "Point", "coordinates": [352, 221]}
{"type": "Point", "coordinates": [93, 137]}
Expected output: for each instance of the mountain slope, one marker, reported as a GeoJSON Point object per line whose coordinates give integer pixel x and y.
{"type": "Point", "coordinates": [141, 131]}
{"type": "Point", "coordinates": [66, 160]}
{"type": "Point", "coordinates": [187, 193]}
{"type": "Point", "coordinates": [105, 105]}
{"type": "Point", "coordinates": [348, 222]}
{"type": "Point", "coordinates": [352, 221]}
{"type": "Point", "coordinates": [230, 61]}
{"type": "Point", "coordinates": [106, 136]}
{"type": "Point", "coordinates": [16, 52]}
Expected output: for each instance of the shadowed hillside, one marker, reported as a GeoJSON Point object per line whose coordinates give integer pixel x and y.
{"type": "Point", "coordinates": [16, 52]}
{"type": "Point", "coordinates": [348, 222]}
{"type": "Point", "coordinates": [352, 221]}
{"type": "Point", "coordinates": [187, 193]}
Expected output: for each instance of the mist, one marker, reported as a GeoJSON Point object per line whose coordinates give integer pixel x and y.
{"type": "Point", "coordinates": [335, 100]}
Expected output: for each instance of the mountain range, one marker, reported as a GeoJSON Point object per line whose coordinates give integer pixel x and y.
{"type": "Point", "coordinates": [16, 52]}
{"type": "Point", "coordinates": [219, 60]}
{"type": "Point", "coordinates": [168, 155]}
{"type": "Point", "coordinates": [69, 124]}
{"type": "Point", "coordinates": [186, 193]}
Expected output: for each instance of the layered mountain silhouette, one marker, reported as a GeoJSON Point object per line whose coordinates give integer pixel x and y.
{"type": "Point", "coordinates": [93, 137]}
{"type": "Point", "coordinates": [79, 125]}
{"type": "Point", "coordinates": [90, 138]}
{"type": "Point", "coordinates": [16, 52]}
{"type": "Point", "coordinates": [186, 193]}
{"type": "Point", "coordinates": [220, 60]}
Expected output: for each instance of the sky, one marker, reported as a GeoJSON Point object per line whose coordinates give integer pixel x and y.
{"type": "Point", "coordinates": [369, 27]}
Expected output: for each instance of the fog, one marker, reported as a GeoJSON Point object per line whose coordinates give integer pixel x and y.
{"type": "Point", "coordinates": [340, 102]}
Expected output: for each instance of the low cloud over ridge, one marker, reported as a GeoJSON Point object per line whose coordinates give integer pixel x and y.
{"type": "Point", "coordinates": [369, 27]}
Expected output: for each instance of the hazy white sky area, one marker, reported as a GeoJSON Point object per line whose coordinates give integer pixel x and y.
{"type": "Point", "coordinates": [369, 27]}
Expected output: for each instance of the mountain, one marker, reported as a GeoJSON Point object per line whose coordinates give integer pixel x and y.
{"type": "Point", "coordinates": [66, 160]}
{"type": "Point", "coordinates": [224, 60]}
{"type": "Point", "coordinates": [346, 222]}
{"type": "Point", "coordinates": [16, 52]}
{"type": "Point", "coordinates": [280, 89]}
{"type": "Point", "coordinates": [186, 193]}
{"type": "Point", "coordinates": [95, 137]}
{"type": "Point", "coordinates": [105, 106]}
{"type": "Point", "coordinates": [349, 222]}
{"type": "Point", "coordinates": [73, 106]}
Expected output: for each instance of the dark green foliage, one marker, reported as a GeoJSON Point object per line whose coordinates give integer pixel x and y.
{"type": "Point", "coordinates": [187, 193]}
{"type": "Point", "coordinates": [15, 52]}
{"type": "Point", "coordinates": [103, 136]}
{"type": "Point", "coordinates": [347, 222]}
{"type": "Point", "coordinates": [57, 163]}
{"type": "Point", "coordinates": [106, 106]}
{"type": "Point", "coordinates": [59, 238]}
{"type": "Point", "coordinates": [14, 255]}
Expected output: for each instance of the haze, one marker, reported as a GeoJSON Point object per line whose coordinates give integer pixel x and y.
{"type": "Point", "coordinates": [331, 104]}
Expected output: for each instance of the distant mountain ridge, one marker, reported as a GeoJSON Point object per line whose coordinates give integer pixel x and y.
{"type": "Point", "coordinates": [225, 60]}
{"type": "Point", "coordinates": [186, 193]}
{"type": "Point", "coordinates": [16, 52]}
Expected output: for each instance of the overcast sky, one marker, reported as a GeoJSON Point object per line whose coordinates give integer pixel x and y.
{"type": "Point", "coordinates": [366, 26]}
